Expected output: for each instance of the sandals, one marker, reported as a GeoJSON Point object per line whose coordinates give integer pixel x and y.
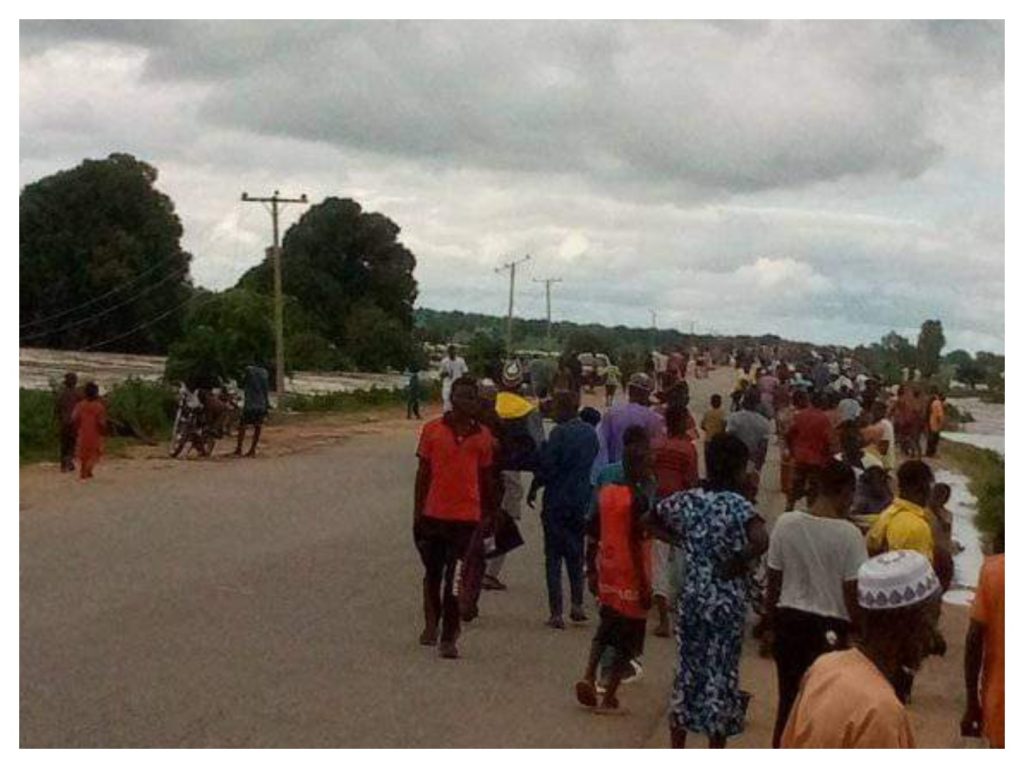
{"type": "Point", "coordinates": [492, 583]}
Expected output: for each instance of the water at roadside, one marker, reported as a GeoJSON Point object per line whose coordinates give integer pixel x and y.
{"type": "Point", "coordinates": [986, 431]}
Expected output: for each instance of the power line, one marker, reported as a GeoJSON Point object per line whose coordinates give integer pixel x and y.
{"type": "Point", "coordinates": [106, 311]}
{"type": "Point", "coordinates": [90, 302]}
{"type": "Point", "coordinates": [146, 324]}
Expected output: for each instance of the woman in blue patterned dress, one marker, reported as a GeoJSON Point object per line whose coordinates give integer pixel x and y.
{"type": "Point", "coordinates": [722, 536]}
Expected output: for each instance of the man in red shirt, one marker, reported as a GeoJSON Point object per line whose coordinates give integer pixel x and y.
{"type": "Point", "coordinates": [453, 486]}
{"type": "Point", "coordinates": [675, 467]}
{"type": "Point", "coordinates": [808, 439]}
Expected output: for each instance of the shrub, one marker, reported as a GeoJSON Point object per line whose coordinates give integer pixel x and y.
{"type": "Point", "coordinates": [39, 435]}
{"type": "Point", "coordinates": [142, 409]}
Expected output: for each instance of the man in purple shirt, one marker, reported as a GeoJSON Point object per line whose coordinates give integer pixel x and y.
{"type": "Point", "coordinates": [619, 418]}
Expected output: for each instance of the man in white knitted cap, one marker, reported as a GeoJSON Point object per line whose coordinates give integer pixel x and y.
{"type": "Point", "coordinates": [848, 698]}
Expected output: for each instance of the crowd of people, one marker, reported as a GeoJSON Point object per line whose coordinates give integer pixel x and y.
{"type": "Point", "coordinates": [847, 582]}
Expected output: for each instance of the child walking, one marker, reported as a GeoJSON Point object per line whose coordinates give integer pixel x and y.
{"type": "Point", "coordinates": [618, 573]}
{"type": "Point", "coordinates": [90, 420]}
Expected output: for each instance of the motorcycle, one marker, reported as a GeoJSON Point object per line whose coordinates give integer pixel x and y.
{"type": "Point", "coordinates": [201, 419]}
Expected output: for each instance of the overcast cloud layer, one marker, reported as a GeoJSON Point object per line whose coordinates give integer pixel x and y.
{"type": "Point", "coordinates": [824, 181]}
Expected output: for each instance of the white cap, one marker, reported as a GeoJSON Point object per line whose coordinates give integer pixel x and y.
{"type": "Point", "coordinates": [896, 579]}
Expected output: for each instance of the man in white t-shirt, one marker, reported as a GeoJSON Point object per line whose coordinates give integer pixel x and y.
{"type": "Point", "coordinates": [813, 560]}
{"type": "Point", "coordinates": [452, 368]}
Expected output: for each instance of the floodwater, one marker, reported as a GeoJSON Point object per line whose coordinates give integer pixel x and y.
{"type": "Point", "coordinates": [986, 431]}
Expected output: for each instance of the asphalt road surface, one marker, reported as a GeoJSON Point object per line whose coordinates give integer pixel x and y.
{"type": "Point", "coordinates": [276, 602]}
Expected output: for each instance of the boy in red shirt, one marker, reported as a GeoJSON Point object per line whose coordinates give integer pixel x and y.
{"type": "Point", "coordinates": [453, 485]}
{"type": "Point", "coordinates": [618, 565]}
{"type": "Point", "coordinates": [808, 439]}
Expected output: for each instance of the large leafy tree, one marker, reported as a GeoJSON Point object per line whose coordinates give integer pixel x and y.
{"type": "Point", "coordinates": [338, 261]}
{"type": "Point", "coordinates": [100, 259]}
{"type": "Point", "coordinates": [930, 342]}
{"type": "Point", "coordinates": [226, 331]}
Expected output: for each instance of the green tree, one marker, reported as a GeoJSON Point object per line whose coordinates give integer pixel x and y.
{"type": "Point", "coordinates": [958, 357]}
{"type": "Point", "coordinates": [338, 260]}
{"type": "Point", "coordinates": [970, 373]}
{"type": "Point", "coordinates": [484, 355]}
{"type": "Point", "coordinates": [376, 340]}
{"type": "Point", "coordinates": [223, 333]}
{"type": "Point", "coordinates": [930, 342]}
{"type": "Point", "coordinates": [99, 256]}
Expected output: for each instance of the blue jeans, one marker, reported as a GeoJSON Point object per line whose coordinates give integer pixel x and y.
{"type": "Point", "coordinates": [563, 541]}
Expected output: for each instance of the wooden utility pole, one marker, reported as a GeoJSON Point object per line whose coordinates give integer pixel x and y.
{"type": "Point", "coordinates": [547, 290]}
{"type": "Point", "coordinates": [511, 267]}
{"type": "Point", "coordinates": [654, 329]}
{"type": "Point", "coordinates": [275, 201]}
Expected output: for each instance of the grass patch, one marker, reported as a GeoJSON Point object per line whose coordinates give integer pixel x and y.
{"type": "Point", "coordinates": [137, 412]}
{"type": "Point", "coordinates": [985, 471]}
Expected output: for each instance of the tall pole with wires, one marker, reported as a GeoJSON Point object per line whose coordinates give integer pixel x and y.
{"type": "Point", "coordinates": [275, 202]}
{"type": "Point", "coordinates": [511, 267]}
{"type": "Point", "coordinates": [547, 292]}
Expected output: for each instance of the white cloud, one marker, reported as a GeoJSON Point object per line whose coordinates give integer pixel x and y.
{"type": "Point", "coordinates": [818, 180]}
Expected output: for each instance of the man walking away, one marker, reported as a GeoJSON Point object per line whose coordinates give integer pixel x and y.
{"type": "Point", "coordinates": [566, 459]}
{"type": "Point", "coordinates": [521, 432]}
{"type": "Point", "coordinates": [257, 402]}
{"type": "Point", "coordinates": [618, 563]}
{"type": "Point", "coordinates": [847, 698]}
{"type": "Point", "coordinates": [752, 428]}
{"type": "Point", "coordinates": [453, 487]}
{"type": "Point", "coordinates": [675, 467]}
{"type": "Point", "coordinates": [67, 399]}
{"type": "Point", "coordinates": [412, 406]}
{"type": "Point", "coordinates": [808, 441]}
{"type": "Point", "coordinates": [636, 412]}
{"type": "Point", "coordinates": [453, 368]}
{"type": "Point", "coordinates": [813, 559]}
{"type": "Point", "coordinates": [936, 420]}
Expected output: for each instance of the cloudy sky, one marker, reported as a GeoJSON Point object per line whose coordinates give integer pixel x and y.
{"type": "Point", "coordinates": [827, 181]}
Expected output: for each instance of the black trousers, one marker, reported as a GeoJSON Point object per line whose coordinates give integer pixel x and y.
{"type": "Point", "coordinates": [442, 545]}
{"type": "Point", "coordinates": [68, 436]}
{"type": "Point", "coordinates": [805, 483]}
{"type": "Point", "coordinates": [800, 638]}
{"type": "Point", "coordinates": [933, 444]}
{"type": "Point", "coordinates": [412, 408]}
{"type": "Point", "coordinates": [563, 541]}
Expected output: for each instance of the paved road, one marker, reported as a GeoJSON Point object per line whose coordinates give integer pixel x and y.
{"type": "Point", "coordinates": [276, 602]}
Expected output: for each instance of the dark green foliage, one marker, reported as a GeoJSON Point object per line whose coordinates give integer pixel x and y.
{"type": "Point", "coordinates": [90, 230]}
{"type": "Point", "coordinates": [930, 342]}
{"type": "Point", "coordinates": [349, 272]}
{"type": "Point", "coordinates": [375, 340]}
{"type": "Point", "coordinates": [142, 409]}
{"type": "Point", "coordinates": [970, 373]}
{"type": "Point", "coordinates": [224, 332]}
{"type": "Point", "coordinates": [484, 355]}
{"type": "Point", "coordinates": [38, 439]}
